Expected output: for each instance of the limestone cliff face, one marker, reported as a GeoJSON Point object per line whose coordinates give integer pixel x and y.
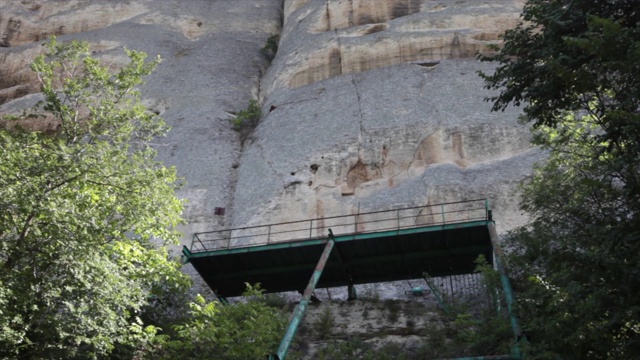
{"type": "Point", "coordinates": [373, 105]}
{"type": "Point", "coordinates": [368, 104]}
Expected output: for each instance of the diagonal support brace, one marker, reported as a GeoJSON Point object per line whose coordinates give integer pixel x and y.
{"type": "Point", "coordinates": [506, 286]}
{"type": "Point", "coordinates": [298, 314]}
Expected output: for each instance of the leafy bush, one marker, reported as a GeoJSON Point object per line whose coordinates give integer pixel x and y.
{"type": "Point", "coordinates": [323, 326]}
{"type": "Point", "coordinates": [79, 208]}
{"type": "Point", "coordinates": [393, 310]}
{"type": "Point", "coordinates": [270, 48]}
{"type": "Point", "coordinates": [247, 119]}
{"type": "Point", "coordinates": [276, 301]}
{"type": "Point", "coordinates": [357, 349]}
{"type": "Point", "coordinates": [243, 330]}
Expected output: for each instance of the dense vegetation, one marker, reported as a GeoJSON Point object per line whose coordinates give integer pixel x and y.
{"type": "Point", "coordinates": [85, 214]}
{"type": "Point", "coordinates": [574, 66]}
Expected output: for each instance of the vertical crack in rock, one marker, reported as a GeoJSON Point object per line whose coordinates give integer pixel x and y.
{"type": "Point", "coordinates": [355, 86]}
{"type": "Point", "coordinates": [328, 14]}
{"type": "Point", "coordinates": [351, 20]}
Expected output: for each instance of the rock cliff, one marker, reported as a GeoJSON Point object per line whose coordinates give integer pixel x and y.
{"type": "Point", "coordinates": [368, 104]}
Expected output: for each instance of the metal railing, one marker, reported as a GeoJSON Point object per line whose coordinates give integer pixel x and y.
{"type": "Point", "coordinates": [362, 223]}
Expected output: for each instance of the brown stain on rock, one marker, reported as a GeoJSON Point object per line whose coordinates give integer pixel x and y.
{"type": "Point", "coordinates": [430, 150]}
{"type": "Point", "coordinates": [335, 62]}
{"type": "Point", "coordinates": [359, 174]}
{"type": "Point", "coordinates": [435, 149]}
{"type": "Point", "coordinates": [428, 216]}
{"type": "Point", "coordinates": [48, 125]}
{"type": "Point", "coordinates": [457, 145]}
{"type": "Point", "coordinates": [11, 31]}
{"type": "Point", "coordinates": [424, 39]}
{"type": "Point", "coordinates": [375, 28]}
{"type": "Point", "coordinates": [385, 52]}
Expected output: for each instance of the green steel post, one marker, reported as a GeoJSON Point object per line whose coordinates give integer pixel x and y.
{"type": "Point", "coordinates": [186, 255]}
{"type": "Point", "coordinates": [352, 295]}
{"type": "Point", "coordinates": [298, 314]}
{"type": "Point", "coordinates": [506, 286]}
{"type": "Point", "coordinates": [487, 210]}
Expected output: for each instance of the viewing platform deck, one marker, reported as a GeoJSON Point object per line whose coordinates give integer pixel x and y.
{"type": "Point", "coordinates": [380, 246]}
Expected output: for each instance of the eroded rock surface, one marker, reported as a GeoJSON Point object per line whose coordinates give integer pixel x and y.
{"type": "Point", "coordinates": [371, 106]}
{"type": "Point", "coordinates": [325, 38]}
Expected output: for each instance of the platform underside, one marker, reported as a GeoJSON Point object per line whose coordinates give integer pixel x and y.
{"type": "Point", "coordinates": [356, 259]}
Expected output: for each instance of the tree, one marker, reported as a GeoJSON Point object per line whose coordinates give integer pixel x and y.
{"type": "Point", "coordinates": [84, 212]}
{"type": "Point", "coordinates": [573, 66]}
{"type": "Point", "coordinates": [248, 329]}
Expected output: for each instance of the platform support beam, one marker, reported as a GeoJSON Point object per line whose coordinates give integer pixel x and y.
{"type": "Point", "coordinates": [506, 286]}
{"type": "Point", "coordinates": [299, 312]}
{"type": "Point", "coordinates": [352, 292]}
{"type": "Point", "coordinates": [351, 289]}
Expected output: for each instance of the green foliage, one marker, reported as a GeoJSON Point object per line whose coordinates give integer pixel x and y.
{"type": "Point", "coordinates": [270, 48]}
{"type": "Point", "coordinates": [277, 301]}
{"type": "Point", "coordinates": [491, 283]}
{"type": "Point", "coordinates": [574, 66]}
{"type": "Point", "coordinates": [247, 119]}
{"type": "Point", "coordinates": [323, 326]}
{"type": "Point", "coordinates": [467, 335]}
{"type": "Point", "coordinates": [471, 327]}
{"type": "Point", "coordinates": [78, 211]}
{"type": "Point", "coordinates": [577, 262]}
{"type": "Point", "coordinates": [244, 330]}
{"type": "Point", "coordinates": [357, 349]}
{"type": "Point", "coordinates": [565, 55]}
{"type": "Point", "coordinates": [393, 310]}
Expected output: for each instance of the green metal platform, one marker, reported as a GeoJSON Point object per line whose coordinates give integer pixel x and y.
{"type": "Point", "coordinates": [390, 245]}
{"type": "Point", "coordinates": [381, 246]}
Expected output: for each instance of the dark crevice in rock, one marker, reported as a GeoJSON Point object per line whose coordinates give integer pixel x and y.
{"type": "Point", "coordinates": [335, 62]}
{"type": "Point", "coordinates": [405, 8]}
{"type": "Point", "coordinates": [375, 29]}
{"type": "Point", "coordinates": [427, 63]}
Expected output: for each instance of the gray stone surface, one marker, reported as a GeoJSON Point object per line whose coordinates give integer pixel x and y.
{"type": "Point", "coordinates": [422, 135]}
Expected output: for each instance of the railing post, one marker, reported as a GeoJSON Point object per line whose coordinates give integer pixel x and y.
{"type": "Point", "coordinates": [442, 211]}
{"type": "Point", "coordinates": [355, 223]}
{"type": "Point", "coordinates": [310, 228]}
{"type": "Point", "coordinates": [195, 236]}
{"type": "Point", "coordinates": [398, 218]}
{"type": "Point", "coordinates": [269, 235]}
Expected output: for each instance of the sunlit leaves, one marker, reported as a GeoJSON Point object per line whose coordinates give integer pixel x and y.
{"type": "Point", "coordinates": [82, 212]}
{"type": "Point", "coordinates": [573, 66]}
{"type": "Point", "coordinates": [244, 330]}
